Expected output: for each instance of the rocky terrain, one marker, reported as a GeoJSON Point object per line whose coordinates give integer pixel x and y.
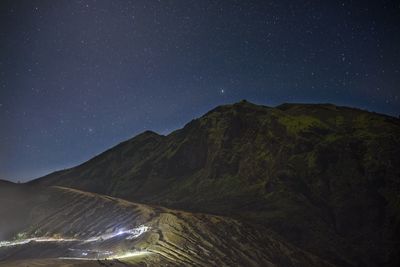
{"type": "Point", "coordinates": [58, 226]}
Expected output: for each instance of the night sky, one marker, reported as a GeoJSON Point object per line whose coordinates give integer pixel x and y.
{"type": "Point", "coordinates": [77, 77]}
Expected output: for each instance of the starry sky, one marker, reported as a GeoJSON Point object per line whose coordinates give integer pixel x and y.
{"type": "Point", "coordinates": [77, 77]}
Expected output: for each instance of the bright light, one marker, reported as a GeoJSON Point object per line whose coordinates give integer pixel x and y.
{"type": "Point", "coordinates": [131, 254]}
{"type": "Point", "coordinates": [125, 255]}
{"type": "Point", "coordinates": [130, 234]}
{"type": "Point", "coordinates": [38, 239]}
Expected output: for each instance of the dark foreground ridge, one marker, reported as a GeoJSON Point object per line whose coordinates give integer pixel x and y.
{"type": "Point", "coordinates": [68, 227]}
{"type": "Point", "coordinates": [326, 178]}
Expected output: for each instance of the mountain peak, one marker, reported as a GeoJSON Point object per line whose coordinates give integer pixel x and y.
{"type": "Point", "coordinates": [148, 133]}
{"type": "Point", "coordinates": [241, 106]}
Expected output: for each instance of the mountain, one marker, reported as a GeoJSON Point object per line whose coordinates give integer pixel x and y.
{"type": "Point", "coordinates": [5, 183]}
{"type": "Point", "coordinates": [66, 227]}
{"type": "Point", "coordinates": [326, 178]}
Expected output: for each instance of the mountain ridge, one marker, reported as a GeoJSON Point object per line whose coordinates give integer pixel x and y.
{"type": "Point", "coordinates": [308, 171]}
{"type": "Point", "coordinates": [283, 106]}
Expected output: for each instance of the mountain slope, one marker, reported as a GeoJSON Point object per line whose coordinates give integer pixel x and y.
{"type": "Point", "coordinates": [324, 177]}
{"type": "Point", "coordinates": [63, 226]}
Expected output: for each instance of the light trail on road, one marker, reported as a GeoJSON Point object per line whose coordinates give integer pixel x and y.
{"type": "Point", "coordinates": [112, 257]}
{"type": "Point", "coordinates": [130, 235]}
{"type": "Point", "coordinates": [38, 240]}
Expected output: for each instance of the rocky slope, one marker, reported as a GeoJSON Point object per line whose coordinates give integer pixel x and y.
{"type": "Point", "coordinates": [66, 227]}
{"type": "Point", "coordinates": [326, 178]}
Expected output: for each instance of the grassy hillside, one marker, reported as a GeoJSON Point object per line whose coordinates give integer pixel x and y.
{"type": "Point", "coordinates": [324, 177]}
